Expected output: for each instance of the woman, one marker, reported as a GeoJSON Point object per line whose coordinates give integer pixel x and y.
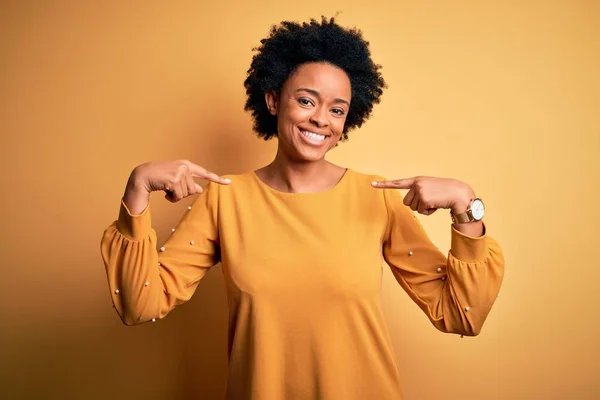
{"type": "Point", "coordinates": [302, 241]}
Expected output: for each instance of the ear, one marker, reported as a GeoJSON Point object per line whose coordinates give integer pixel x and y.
{"type": "Point", "coordinates": [272, 100]}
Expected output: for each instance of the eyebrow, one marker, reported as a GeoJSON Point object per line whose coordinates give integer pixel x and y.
{"type": "Point", "coordinates": [314, 92]}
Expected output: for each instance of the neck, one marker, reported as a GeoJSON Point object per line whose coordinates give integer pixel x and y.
{"type": "Point", "coordinates": [298, 176]}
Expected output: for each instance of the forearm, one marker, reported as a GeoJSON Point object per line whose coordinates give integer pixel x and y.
{"type": "Point", "coordinates": [129, 252]}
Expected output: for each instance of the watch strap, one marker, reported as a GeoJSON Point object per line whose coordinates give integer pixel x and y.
{"type": "Point", "coordinates": [464, 217]}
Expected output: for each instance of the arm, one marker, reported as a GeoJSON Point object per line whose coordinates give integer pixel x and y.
{"type": "Point", "coordinates": [456, 293]}
{"type": "Point", "coordinates": [146, 284]}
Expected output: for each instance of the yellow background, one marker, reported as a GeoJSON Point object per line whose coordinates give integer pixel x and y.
{"type": "Point", "coordinates": [504, 95]}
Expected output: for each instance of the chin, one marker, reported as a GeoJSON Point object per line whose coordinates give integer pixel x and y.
{"type": "Point", "coordinates": [309, 155]}
{"type": "Point", "coordinates": [309, 149]}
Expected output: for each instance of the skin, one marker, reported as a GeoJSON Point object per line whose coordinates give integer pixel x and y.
{"type": "Point", "coordinates": [315, 98]}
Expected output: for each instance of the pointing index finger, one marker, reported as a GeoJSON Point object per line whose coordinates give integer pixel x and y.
{"type": "Point", "coordinates": [394, 184]}
{"type": "Point", "coordinates": [216, 178]}
{"type": "Point", "coordinates": [198, 171]}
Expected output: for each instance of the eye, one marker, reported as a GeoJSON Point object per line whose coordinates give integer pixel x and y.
{"type": "Point", "coordinates": [338, 111]}
{"type": "Point", "coordinates": [305, 102]}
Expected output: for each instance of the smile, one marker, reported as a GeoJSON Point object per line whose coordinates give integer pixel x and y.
{"type": "Point", "coordinates": [313, 136]}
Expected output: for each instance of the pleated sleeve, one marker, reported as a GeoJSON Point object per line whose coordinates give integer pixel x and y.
{"type": "Point", "coordinates": [456, 292]}
{"type": "Point", "coordinates": [147, 281]}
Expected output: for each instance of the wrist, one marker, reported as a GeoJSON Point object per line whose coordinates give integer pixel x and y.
{"type": "Point", "coordinates": [463, 202]}
{"type": "Point", "coordinates": [136, 199]}
{"type": "Point", "coordinates": [136, 193]}
{"type": "Point", "coordinates": [137, 183]}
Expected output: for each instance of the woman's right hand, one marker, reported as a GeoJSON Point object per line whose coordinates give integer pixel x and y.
{"type": "Point", "coordinates": [175, 178]}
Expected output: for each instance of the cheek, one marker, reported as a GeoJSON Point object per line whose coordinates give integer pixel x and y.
{"type": "Point", "coordinates": [296, 114]}
{"type": "Point", "coordinates": [288, 117]}
{"type": "Point", "coordinates": [338, 126]}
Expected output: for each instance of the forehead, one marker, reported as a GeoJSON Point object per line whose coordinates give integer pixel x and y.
{"type": "Point", "coordinates": [327, 79]}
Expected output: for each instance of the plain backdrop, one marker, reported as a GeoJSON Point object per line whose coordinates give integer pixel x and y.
{"type": "Point", "coordinates": [504, 95]}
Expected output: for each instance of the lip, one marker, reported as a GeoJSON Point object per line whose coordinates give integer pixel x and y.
{"type": "Point", "coordinates": [311, 142]}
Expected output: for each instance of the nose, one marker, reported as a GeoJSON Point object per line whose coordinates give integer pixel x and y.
{"type": "Point", "coordinates": [319, 117]}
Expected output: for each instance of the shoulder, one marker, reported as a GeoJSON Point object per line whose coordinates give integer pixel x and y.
{"type": "Point", "coordinates": [366, 177]}
{"type": "Point", "coordinates": [359, 185]}
{"type": "Point", "coordinates": [240, 183]}
{"type": "Point", "coordinates": [243, 178]}
{"type": "Point", "coordinates": [389, 196]}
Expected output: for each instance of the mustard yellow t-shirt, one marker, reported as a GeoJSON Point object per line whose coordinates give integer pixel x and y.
{"type": "Point", "coordinates": [303, 276]}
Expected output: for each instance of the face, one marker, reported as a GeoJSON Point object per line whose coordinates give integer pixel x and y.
{"type": "Point", "coordinates": [311, 110]}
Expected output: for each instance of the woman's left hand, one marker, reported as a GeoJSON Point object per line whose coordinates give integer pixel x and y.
{"type": "Point", "coordinates": [427, 193]}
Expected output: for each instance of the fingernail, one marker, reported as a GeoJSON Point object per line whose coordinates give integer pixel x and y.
{"type": "Point", "coordinates": [374, 183]}
{"type": "Point", "coordinates": [227, 180]}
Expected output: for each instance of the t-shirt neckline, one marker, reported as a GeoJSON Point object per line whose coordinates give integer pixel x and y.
{"type": "Point", "coordinates": [339, 183]}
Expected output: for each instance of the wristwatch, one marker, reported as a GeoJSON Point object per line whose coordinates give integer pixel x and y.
{"type": "Point", "coordinates": [474, 212]}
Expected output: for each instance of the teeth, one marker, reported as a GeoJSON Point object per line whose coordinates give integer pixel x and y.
{"type": "Point", "coordinates": [312, 136]}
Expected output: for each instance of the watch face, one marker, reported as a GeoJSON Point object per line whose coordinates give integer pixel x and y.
{"type": "Point", "coordinates": [477, 209]}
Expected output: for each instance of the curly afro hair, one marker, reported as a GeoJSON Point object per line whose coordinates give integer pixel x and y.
{"type": "Point", "coordinates": [290, 45]}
